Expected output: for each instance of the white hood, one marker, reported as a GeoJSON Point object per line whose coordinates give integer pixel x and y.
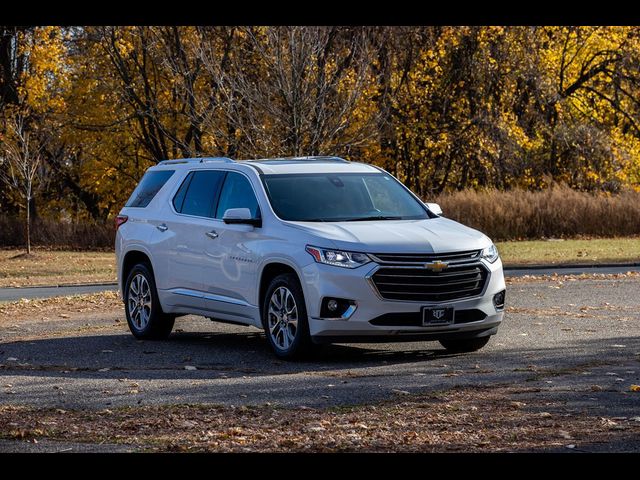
{"type": "Point", "coordinates": [433, 235]}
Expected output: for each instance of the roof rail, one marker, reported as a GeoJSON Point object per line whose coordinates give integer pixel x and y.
{"type": "Point", "coordinates": [196, 160]}
{"type": "Point", "coordinates": [315, 158]}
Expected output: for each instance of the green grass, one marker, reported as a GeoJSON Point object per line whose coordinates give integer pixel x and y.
{"type": "Point", "coordinates": [46, 267]}
{"type": "Point", "coordinates": [554, 252]}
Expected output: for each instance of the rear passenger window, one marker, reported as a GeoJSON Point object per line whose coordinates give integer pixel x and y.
{"type": "Point", "coordinates": [201, 193]}
{"type": "Point", "coordinates": [178, 200]}
{"type": "Point", "coordinates": [237, 193]}
{"type": "Point", "coordinates": [148, 187]}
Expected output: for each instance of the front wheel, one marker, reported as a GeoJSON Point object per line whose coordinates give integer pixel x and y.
{"type": "Point", "coordinates": [144, 314]}
{"type": "Point", "coordinates": [464, 346]}
{"type": "Point", "coordinates": [284, 317]}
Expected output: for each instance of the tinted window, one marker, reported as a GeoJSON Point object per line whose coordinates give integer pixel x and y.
{"type": "Point", "coordinates": [178, 200]}
{"type": "Point", "coordinates": [341, 197]}
{"type": "Point", "coordinates": [202, 192]}
{"type": "Point", "coordinates": [150, 184]}
{"type": "Point", "coordinates": [237, 193]}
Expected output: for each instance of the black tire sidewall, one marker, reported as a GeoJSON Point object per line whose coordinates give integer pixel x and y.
{"type": "Point", "coordinates": [302, 340]}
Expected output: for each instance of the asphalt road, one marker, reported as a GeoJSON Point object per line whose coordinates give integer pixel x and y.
{"type": "Point", "coordinates": [559, 340]}
{"type": "Point", "coordinates": [13, 293]}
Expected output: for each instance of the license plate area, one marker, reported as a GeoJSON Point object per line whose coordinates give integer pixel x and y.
{"type": "Point", "coordinates": [437, 316]}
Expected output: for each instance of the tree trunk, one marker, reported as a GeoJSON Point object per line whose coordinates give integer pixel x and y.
{"type": "Point", "coordinates": [28, 229]}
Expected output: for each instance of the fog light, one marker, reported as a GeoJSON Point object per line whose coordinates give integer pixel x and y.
{"type": "Point", "coordinates": [337, 308]}
{"type": "Point", "coordinates": [498, 300]}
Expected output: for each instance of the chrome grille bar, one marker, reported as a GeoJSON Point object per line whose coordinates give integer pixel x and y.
{"type": "Point", "coordinates": [417, 258]}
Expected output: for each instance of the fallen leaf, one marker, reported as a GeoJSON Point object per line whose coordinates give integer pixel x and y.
{"type": "Point", "coordinates": [607, 422]}
{"type": "Point", "coordinates": [635, 388]}
{"type": "Point", "coordinates": [400, 392]}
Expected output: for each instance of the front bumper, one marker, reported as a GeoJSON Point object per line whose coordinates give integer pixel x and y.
{"type": "Point", "coordinates": [321, 281]}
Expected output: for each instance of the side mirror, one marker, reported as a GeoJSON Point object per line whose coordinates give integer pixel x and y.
{"type": "Point", "coordinates": [435, 208]}
{"type": "Point", "coordinates": [241, 216]}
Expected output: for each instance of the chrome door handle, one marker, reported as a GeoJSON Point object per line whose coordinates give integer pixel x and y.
{"type": "Point", "coordinates": [212, 234]}
{"type": "Point", "coordinates": [162, 227]}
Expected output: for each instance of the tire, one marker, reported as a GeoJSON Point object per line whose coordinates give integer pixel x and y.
{"type": "Point", "coordinates": [466, 345]}
{"type": "Point", "coordinates": [288, 339]}
{"type": "Point", "coordinates": [144, 314]}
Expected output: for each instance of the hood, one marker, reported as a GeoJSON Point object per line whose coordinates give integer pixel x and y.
{"type": "Point", "coordinates": [433, 235]}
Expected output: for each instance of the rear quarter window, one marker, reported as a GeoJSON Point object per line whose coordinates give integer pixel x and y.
{"type": "Point", "coordinates": [148, 187]}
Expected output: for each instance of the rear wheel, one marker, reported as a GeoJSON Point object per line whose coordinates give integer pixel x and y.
{"type": "Point", "coordinates": [466, 345]}
{"type": "Point", "coordinates": [284, 317]}
{"type": "Point", "coordinates": [144, 314]}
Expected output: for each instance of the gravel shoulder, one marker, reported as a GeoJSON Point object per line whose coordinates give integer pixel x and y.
{"type": "Point", "coordinates": [558, 376]}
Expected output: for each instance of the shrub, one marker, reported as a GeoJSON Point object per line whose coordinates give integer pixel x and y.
{"type": "Point", "coordinates": [558, 211]}
{"type": "Point", "coordinates": [56, 234]}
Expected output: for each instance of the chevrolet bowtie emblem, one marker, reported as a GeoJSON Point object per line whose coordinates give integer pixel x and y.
{"type": "Point", "coordinates": [436, 266]}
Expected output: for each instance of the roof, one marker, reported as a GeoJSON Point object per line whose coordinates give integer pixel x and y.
{"type": "Point", "coordinates": [318, 164]}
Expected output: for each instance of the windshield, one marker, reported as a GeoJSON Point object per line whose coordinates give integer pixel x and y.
{"type": "Point", "coordinates": [342, 197]}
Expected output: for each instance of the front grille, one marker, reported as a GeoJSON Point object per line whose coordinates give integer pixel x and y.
{"type": "Point", "coordinates": [409, 258]}
{"type": "Point", "coordinates": [414, 319]}
{"type": "Point", "coordinates": [421, 284]}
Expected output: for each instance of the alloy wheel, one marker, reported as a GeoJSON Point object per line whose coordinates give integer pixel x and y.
{"type": "Point", "coordinates": [139, 301]}
{"type": "Point", "coordinates": [282, 318]}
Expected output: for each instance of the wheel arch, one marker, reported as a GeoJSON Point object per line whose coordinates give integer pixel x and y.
{"type": "Point", "coordinates": [129, 260]}
{"type": "Point", "coordinates": [270, 271]}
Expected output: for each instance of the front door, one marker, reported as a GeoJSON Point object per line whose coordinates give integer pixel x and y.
{"type": "Point", "coordinates": [231, 257]}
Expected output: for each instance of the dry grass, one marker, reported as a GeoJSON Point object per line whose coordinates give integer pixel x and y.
{"type": "Point", "coordinates": [44, 267]}
{"type": "Point", "coordinates": [556, 212]}
{"type": "Point", "coordinates": [47, 267]}
{"type": "Point", "coordinates": [575, 251]}
{"type": "Point", "coordinates": [477, 419]}
{"type": "Point", "coordinates": [59, 307]}
{"type": "Point", "coordinates": [46, 232]}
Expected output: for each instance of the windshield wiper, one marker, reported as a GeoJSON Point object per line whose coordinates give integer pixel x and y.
{"type": "Point", "coordinates": [376, 217]}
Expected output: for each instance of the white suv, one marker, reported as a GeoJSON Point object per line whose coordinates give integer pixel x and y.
{"type": "Point", "coordinates": [312, 250]}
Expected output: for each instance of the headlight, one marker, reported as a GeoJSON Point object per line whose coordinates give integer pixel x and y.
{"type": "Point", "coordinates": [338, 258]}
{"type": "Point", "coordinates": [490, 253]}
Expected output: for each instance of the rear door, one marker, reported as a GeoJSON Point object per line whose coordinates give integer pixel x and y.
{"type": "Point", "coordinates": [183, 235]}
{"type": "Point", "coordinates": [231, 258]}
